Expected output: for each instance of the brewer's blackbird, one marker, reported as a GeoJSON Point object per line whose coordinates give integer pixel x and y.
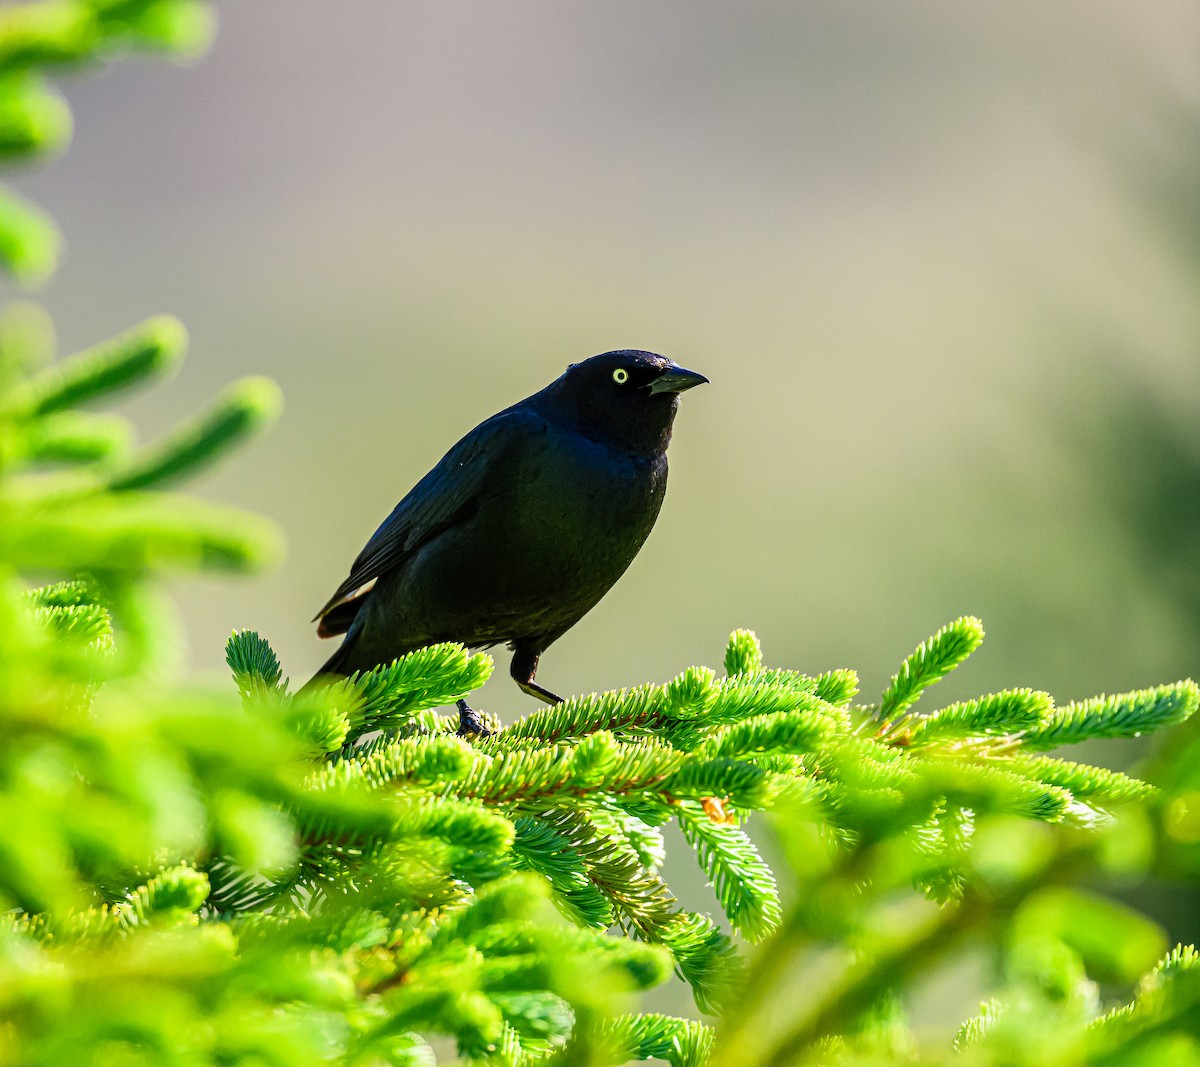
{"type": "Point", "coordinates": [521, 527]}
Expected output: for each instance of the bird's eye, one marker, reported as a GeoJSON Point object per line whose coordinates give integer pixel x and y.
{"type": "Point", "coordinates": [620, 376]}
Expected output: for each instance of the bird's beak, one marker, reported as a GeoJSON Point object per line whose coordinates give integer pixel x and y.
{"type": "Point", "coordinates": [675, 380]}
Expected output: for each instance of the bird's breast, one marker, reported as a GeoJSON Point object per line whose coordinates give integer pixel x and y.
{"type": "Point", "coordinates": [573, 520]}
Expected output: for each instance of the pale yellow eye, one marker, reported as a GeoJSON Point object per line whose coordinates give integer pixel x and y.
{"type": "Point", "coordinates": [620, 376]}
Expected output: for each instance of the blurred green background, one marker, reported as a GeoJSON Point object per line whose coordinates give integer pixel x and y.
{"type": "Point", "coordinates": [941, 263]}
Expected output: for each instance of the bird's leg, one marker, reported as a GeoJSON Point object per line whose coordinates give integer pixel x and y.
{"type": "Point", "coordinates": [469, 722]}
{"type": "Point", "coordinates": [523, 669]}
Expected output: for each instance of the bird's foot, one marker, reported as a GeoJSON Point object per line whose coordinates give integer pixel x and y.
{"type": "Point", "coordinates": [470, 722]}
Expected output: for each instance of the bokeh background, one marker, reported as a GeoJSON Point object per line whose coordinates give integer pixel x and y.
{"type": "Point", "coordinates": [940, 261]}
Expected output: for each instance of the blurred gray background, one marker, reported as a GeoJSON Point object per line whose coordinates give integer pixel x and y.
{"type": "Point", "coordinates": [924, 252]}
{"type": "Point", "coordinates": [940, 261]}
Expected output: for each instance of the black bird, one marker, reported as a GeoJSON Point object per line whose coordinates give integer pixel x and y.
{"type": "Point", "coordinates": [521, 527]}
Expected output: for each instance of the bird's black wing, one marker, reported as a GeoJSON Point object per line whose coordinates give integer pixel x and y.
{"type": "Point", "coordinates": [446, 496]}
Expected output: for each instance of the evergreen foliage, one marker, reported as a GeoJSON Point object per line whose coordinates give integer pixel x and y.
{"type": "Point", "coordinates": [256, 876]}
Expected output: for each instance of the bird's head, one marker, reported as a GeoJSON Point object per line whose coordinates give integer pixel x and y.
{"type": "Point", "coordinates": [628, 396]}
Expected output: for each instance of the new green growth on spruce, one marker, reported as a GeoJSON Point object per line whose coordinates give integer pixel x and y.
{"type": "Point", "coordinates": [252, 876]}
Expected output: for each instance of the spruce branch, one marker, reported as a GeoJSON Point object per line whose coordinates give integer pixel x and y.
{"type": "Point", "coordinates": [30, 242]}
{"type": "Point", "coordinates": [244, 410]}
{"type": "Point", "coordinates": [1122, 715]}
{"type": "Point", "coordinates": [146, 533]}
{"type": "Point", "coordinates": [76, 437]}
{"type": "Point", "coordinates": [635, 709]}
{"type": "Point", "coordinates": [789, 731]}
{"type": "Point", "coordinates": [1093, 784]}
{"type": "Point", "coordinates": [743, 654]}
{"type": "Point", "coordinates": [151, 349]}
{"type": "Point", "coordinates": [929, 663]}
{"type": "Point", "coordinates": [837, 688]}
{"type": "Point", "coordinates": [1011, 712]}
{"type": "Point", "coordinates": [391, 697]}
{"type": "Point", "coordinates": [680, 1042]}
{"type": "Point", "coordinates": [45, 33]}
{"type": "Point", "coordinates": [34, 119]}
{"type": "Point", "coordinates": [255, 667]}
{"type": "Point", "coordinates": [742, 881]}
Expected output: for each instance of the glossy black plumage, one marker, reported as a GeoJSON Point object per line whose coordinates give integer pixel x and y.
{"type": "Point", "coordinates": [522, 526]}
